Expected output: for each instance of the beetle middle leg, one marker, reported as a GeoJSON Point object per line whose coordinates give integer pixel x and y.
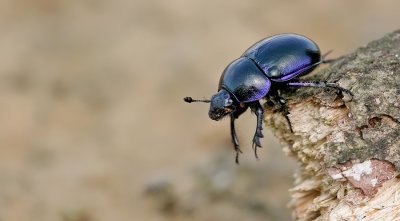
{"type": "Point", "coordinates": [258, 110]}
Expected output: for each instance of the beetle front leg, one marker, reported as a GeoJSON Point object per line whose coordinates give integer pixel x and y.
{"type": "Point", "coordinates": [258, 110]}
{"type": "Point", "coordinates": [235, 140]}
{"type": "Point", "coordinates": [240, 109]}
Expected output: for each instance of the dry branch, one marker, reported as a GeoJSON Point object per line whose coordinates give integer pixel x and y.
{"type": "Point", "coordinates": [349, 149]}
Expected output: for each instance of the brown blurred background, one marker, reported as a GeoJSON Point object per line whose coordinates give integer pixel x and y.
{"type": "Point", "coordinates": [93, 125]}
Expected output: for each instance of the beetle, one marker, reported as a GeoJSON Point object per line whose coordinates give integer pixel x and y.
{"type": "Point", "coordinates": [269, 65]}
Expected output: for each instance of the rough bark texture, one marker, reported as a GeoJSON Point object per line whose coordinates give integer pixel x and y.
{"type": "Point", "coordinates": [349, 149]}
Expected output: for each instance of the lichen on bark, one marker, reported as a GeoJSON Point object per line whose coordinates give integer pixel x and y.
{"type": "Point", "coordinates": [333, 131]}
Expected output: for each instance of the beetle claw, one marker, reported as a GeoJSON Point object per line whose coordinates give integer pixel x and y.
{"type": "Point", "coordinates": [238, 151]}
{"type": "Point", "coordinates": [256, 144]}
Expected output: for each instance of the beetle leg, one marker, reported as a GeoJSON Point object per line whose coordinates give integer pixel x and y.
{"type": "Point", "coordinates": [321, 84]}
{"type": "Point", "coordinates": [325, 61]}
{"type": "Point", "coordinates": [240, 109]}
{"type": "Point", "coordinates": [284, 110]}
{"type": "Point", "coordinates": [283, 107]}
{"type": "Point", "coordinates": [258, 110]}
{"type": "Point", "coordinates": [235, 140]}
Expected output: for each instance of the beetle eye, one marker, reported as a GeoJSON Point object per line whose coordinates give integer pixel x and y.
{"type": "Point", "coordinates": [228, 102]}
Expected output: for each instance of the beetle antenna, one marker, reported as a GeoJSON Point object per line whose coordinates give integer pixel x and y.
{"type": "Point", "coordinates": [190, 100]}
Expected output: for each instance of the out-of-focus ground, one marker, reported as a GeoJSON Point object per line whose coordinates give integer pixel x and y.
{"type": "Point", "coordinates": [93, 125]}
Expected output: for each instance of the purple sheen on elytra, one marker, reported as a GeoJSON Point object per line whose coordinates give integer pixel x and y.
{"type": "Point", "coordinates": [295, 74]}
{"type": "Point", "coordinates": [283, 57]}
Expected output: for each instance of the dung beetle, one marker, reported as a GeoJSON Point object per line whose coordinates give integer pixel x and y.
{"type": "Point", "coordinates": [269, 65]}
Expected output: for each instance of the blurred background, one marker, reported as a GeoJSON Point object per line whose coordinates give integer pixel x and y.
{"type": "Point", "coordinates": [93, 125]}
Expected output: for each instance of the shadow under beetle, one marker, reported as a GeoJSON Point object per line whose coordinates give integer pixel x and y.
{"type": "Point", "coordinates": [266, 67]}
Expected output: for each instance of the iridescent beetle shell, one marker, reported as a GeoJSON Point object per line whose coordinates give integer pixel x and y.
{"type": "Point", "coordinates": [278, 58]}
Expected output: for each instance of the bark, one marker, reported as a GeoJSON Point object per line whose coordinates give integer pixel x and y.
{"type": "Point", "coordinates": [349, 148]}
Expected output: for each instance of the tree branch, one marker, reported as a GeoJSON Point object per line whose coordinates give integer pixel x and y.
{"type": "Point", "coordinates": [349, 148]}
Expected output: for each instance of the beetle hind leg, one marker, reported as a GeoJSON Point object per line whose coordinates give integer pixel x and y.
{"type": "Point", "coordinates": [285, 111]}
{"type": "Point", "coordinates": [327, 61]}
{"type": "Point", "coordinates": [323, 83]}
{"type": "Point", "coordinates": [283, 108]}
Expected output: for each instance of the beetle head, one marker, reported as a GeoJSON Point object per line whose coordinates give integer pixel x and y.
{"type": "Point", "coordinates": [221, 105]}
